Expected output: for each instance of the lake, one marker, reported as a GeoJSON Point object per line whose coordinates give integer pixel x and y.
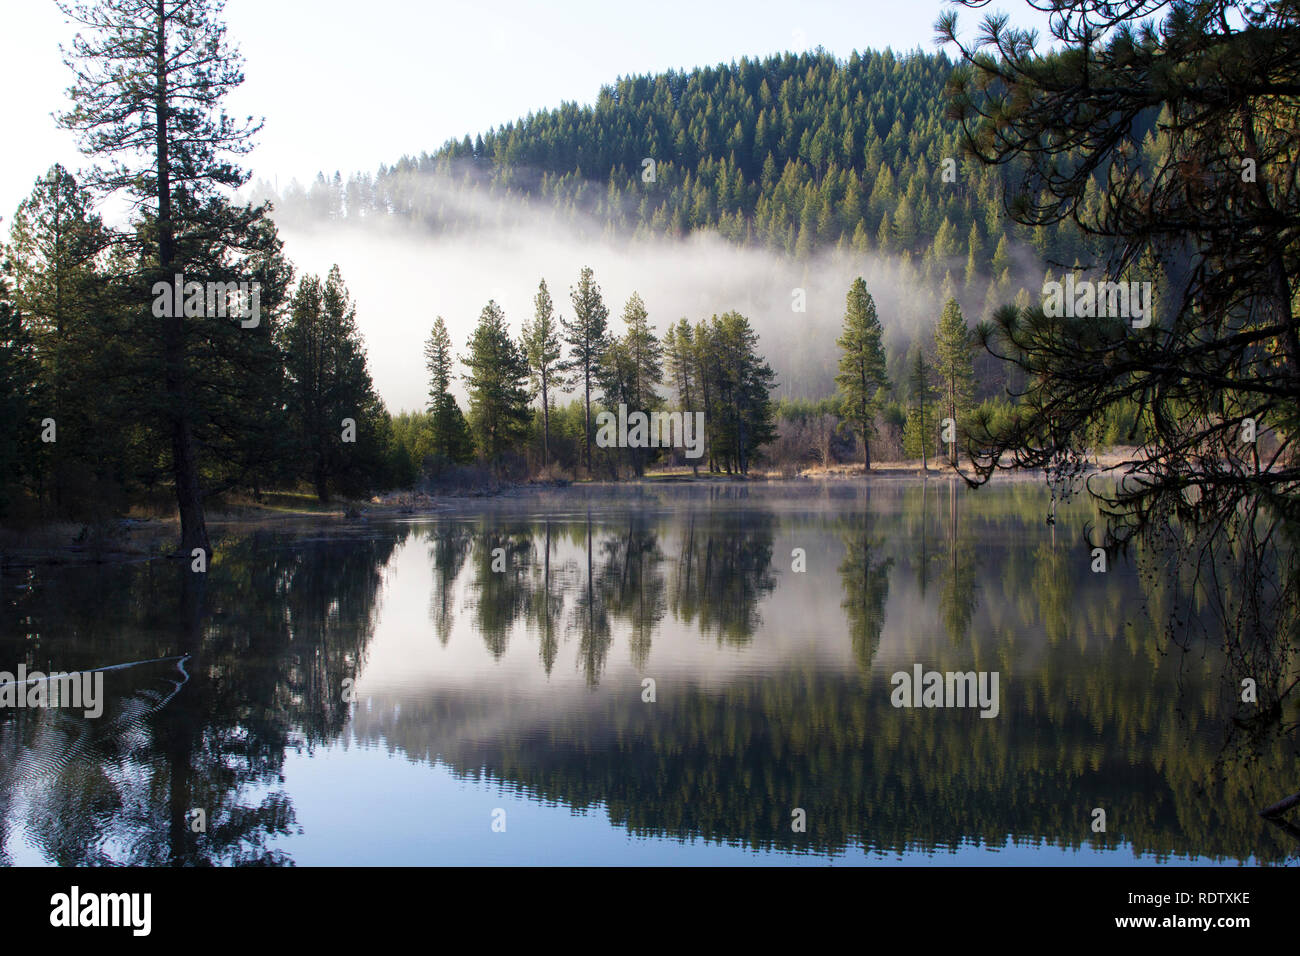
{"type": "Point", "coordinates": [639, 674]}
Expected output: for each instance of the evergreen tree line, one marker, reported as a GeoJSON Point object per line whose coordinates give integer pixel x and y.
{"type": "Point", "coordinates": [289, 403]}
{"type": "Point", "coordinates": [282, 400]}
{"type": "Point", "coordinates": [712, 367]}
{"type": "Point", "coordinates": [793, 152]}
{"type": "Point", "coordinates": [108, 403]}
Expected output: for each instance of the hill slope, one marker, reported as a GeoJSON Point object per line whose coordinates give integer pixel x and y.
{"type": "Point", "coordinates": [794, 153]}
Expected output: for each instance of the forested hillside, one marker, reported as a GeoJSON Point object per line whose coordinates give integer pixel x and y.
{"type": "Point", "coordinates": [790, 152]}
{"type": "Point", "coordinates": [797, 155]}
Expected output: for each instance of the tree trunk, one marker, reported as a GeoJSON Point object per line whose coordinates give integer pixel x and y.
{"type": "Point", "coordinates": [952, 410]}
{"type": "Point", "coordinates": [586, 434]}
{"type": "Point", "coordinates": [322, 483]}
{"type": "Point", "coordinates": [925, 465]}
{"type": "Point", "coordinates": [189, 499]}
{"type": "Point", "coordinates": [546, 426]}
{"type": "Point", "coordinates": [1282, 806]}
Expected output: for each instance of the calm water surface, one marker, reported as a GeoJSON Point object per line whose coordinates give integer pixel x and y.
{"type": "Point", "coordinates": [395, 692]}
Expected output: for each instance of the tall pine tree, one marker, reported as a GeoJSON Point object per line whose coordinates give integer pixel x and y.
{"type": "Point", "coordinates": [450, 438]}
{"type": "Point", "coordinates": [59, 294]}
{"type": "Point", "coordinates": [679, 363]}
{"type": "Point", "coordinates": [19, 403]}
{"type": "Point", "coordinates": [918, 432]}
{"type": "Point", "coordinates": [862, 369]}
{"type": "Point", "coordinates": [587, 337]}
{"type": "Point", "coordinates": [542, 349]}
{"type": "Point", "coordinates": [149, 81]}
{"type": "Point", "coordinates": [497, 384]}
{"type": "Point", "coordinates": [632, 370]}
{"type": "Point", "coordinates": [954, 366]}
{"type": "Point", "coordinates": [332, 404]}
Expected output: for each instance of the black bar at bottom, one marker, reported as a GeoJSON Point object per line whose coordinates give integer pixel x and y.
{"type": "Point", "coordinates": [339, 905]}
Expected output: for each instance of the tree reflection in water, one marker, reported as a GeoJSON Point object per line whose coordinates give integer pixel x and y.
{"type": "Point", "coordinates": [1094, 713]}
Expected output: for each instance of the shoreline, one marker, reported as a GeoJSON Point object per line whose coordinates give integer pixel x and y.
{"type": "Point", "coordinates": [127, 539]}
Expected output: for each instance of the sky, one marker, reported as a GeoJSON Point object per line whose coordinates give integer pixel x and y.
{"type": "Point", "coordinates": [345, 85]}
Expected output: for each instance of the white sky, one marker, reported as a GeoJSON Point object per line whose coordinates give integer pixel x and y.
{"type": "Point", "coordinates": [347, 85]}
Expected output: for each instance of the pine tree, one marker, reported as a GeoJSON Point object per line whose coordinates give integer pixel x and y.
{"type": "Point", "coordinates": [973, 254]}
{"type": "Point", "coordinates": [945, 243]}
{"type": "Point", "coordinates": [1001, 262]}
{"type": "Point", "coordinates": [918, 432]}
{"type": "Point", "coordinates": [58, 295]}
{"type": "Point", "coordinates": [1226, 118]}
{"type": "Point", "coordinates": [954, 366]}
{"type": "Point", "coordinates": [645, 355]}
{"type": "Point", "coordinates": [542, 350]}
{"type": "Point", "coordinates": [707, 372]}
{"type": "Point", "coordinates": [450, 439]}
{"type": "Point", "coordinates": [631, 370]}
{"type": "Point", "coordinates": [497, 377]}
{"type": "Point", "coordinates": [861, 240]}
{"type": "Point", "coordinates": [862, 367]}
{"type": "Point", "coordinates": [20, 398]}
{"type": "Point", "coordinates": [884, 235]}
{"type": "Point", "coordinates": [328, 385]}
{"type": "Point", "coordinates": [743, 419]}
{"type": "Point", "coordinates": [149, 81]}
{"type": "Point", "coordinates": [587, 337]}
{"type": "Point", "coordinates": [906, 229]}
{"type": "Point", "coordinates": [679, 363]}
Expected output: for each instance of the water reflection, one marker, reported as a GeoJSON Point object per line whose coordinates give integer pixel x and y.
{"type": "Point", "coordinates": [511, 645]}
{"type": "Point", "coordinates": [864, 576]}
{"type": "Point", "coordinates": [270, 636]}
